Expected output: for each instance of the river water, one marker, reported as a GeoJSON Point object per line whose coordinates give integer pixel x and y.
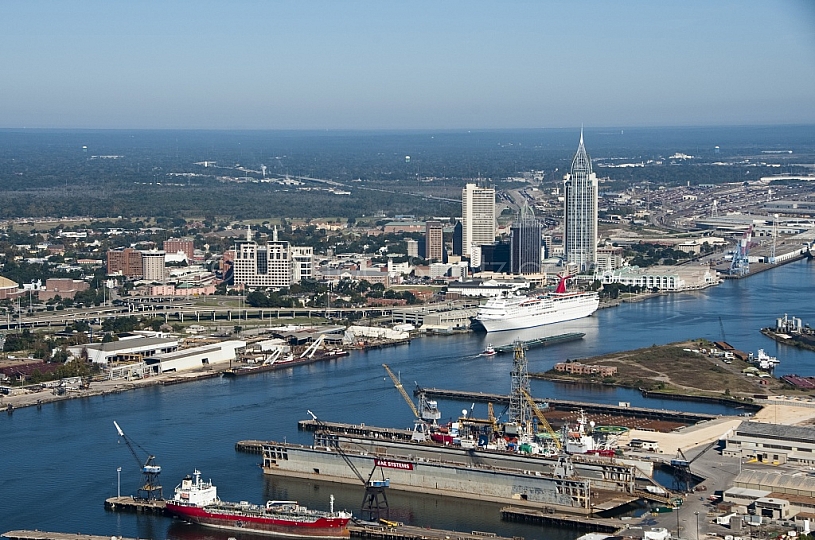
{"type": "Point", "coordinates": [59, 462]}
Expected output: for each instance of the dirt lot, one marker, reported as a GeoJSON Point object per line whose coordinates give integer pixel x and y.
{"type": "Point", "coordinates": [675, 368]}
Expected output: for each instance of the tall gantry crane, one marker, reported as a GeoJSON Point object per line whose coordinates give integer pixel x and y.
{"type": "Point", "coordinates": [740, 265]}
{"type": "Point", "coordinates": [375, 503]}
{"type": "Point", "coordinates": [151, 487]}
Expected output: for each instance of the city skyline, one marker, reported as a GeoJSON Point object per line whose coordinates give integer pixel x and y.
{"type": "Point", "coordinates": [322, 65]}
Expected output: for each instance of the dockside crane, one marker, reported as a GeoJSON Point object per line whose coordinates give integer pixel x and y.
{"type": "Point", "coordinates": [683, 477]}
{"type": "Point", "coordinates": [151, 487]}
{"type": "Point", "coordinates": [375, 504]}
{"type": "Point", "coordinates": [429, 409]}
{"type": "Point", "coordinates": [542, 420]}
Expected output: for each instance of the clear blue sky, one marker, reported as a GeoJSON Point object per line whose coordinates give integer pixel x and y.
{"type": "Point", "coordinates": [342, 64]}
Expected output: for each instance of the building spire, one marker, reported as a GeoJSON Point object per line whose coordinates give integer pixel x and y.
{"type": "Point", "coordinates": [248, 233]}
{"type": "Point", "coordinates": [581, 161]}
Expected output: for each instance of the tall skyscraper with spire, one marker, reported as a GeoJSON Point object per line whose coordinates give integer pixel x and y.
{"type": "Point", "coordinates": [580, 212]}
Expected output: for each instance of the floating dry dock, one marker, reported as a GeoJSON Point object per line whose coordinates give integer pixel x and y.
{"type": "Point", "coordinates": [576, 484]}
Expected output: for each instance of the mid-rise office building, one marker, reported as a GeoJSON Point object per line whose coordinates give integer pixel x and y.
{"type": "Point", "coordinates": [457, 239]}
{"type": "Point", "coordinates": [434, 241]}
{"type": "Point", "coordinates": [525, 240]}
{"type": "Point", "coordinates": [477, 217]}
{"type": "Point", "coordinates": [580, 212]}
{"type": "Point", "coordinates": [126, 262]}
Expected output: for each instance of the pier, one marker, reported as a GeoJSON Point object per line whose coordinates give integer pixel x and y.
{"type": "Point", "coordinates": [250, 447]}
{"type": "Point", "coordinates": [138, 506]}
{"type": "Point", "coordinates": [561, 521]}
{"type": "Point", "coordinates": [687, 418]}
{"type": "Point", "coordinates": [397, 531]}
{"type": "Point", "coordinates": [44, 535]}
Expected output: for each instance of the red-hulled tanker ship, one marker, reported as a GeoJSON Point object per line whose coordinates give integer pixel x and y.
{"type": "Point", "coordinates": [196, 501]}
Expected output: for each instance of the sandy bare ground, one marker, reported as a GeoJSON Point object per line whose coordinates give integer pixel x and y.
{"type": "Point", "coordinates": [706, 432]}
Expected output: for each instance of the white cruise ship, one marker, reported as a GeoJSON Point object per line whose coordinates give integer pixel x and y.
{"type": "Point", "coordinates": [518, 312]}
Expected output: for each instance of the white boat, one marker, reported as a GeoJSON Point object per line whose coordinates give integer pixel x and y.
{"type": "Point", "coordinates": [489, 351]}
{"type": "Point", "coordinates": [765, 361]}
{"type": "Point", "coordinates": [518, 312]}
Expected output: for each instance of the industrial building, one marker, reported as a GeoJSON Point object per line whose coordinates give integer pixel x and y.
{"type": "Point", "coordinates": [195, 357]}
{"type": "Point", "coordinates": [773, 495]}
{"type": "Point", "coordinates": [663, 278]}
{"type": "Point", "coordinates": [127, 349]}
{"type": "Point", "coordinates": [772, 443]}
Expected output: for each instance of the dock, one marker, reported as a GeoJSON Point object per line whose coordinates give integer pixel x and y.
{"type": "Point", "coordinates": [44, 535]}
{"type": "Point", "coordinates": [138, 506]}
{"type": "Point", "coordinates": [561, 521]}
{"type": "Point", "coordinates": [407, 532]}
{"type": "Point", "coordinates": [686, 418]}
{"type": "Point", "coordinates": [252, 446]}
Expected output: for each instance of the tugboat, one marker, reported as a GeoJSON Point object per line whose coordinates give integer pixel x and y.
{"type": "Point", "coordinates": [196, 501]}
{"type": "Point", "coordinates": [489, 351]}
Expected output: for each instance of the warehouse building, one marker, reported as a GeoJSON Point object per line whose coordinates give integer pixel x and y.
{"type": "Point", "coordinates": [772, 443]}
{"type": "Point", "coordinates": [195, 357]}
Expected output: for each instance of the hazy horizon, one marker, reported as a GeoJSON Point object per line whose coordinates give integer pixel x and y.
{"type": "Point", "coordinates": [363, 66]}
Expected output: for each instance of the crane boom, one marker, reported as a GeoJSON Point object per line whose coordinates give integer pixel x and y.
{"type": "Point", "coordinates": [375, 501]}
{"type": "Point", "coordinates": [401, 389]}
{"type": "Point", "coordinates": [151, 488]}
{"type": "Point", "coordinates": [542, 419]}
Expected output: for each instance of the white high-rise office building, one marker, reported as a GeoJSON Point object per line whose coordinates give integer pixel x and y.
{"type": "Point", "coordinates": [477, 217]}
{"type": "Point", "coordinates": [275, 265]}
{"type": "Point", "coordinates": [580, 212]}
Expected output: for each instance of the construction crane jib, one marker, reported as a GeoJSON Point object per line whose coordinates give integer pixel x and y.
{"type": "Point", "coordinates": [542, 420]}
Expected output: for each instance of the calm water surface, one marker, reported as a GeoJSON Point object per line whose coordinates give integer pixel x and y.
{"type": "Point", "coordinates": [59, 462]}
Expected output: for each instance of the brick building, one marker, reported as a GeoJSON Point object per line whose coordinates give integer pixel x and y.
{"type": "Point", "coordinates": [184, 245]}
{"type": "Point", "coordinates": [576, 368]}
{"type": "Point", "coordinates": [127, 262]}
{"type": "Point", "coordinates": [62, 287]}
